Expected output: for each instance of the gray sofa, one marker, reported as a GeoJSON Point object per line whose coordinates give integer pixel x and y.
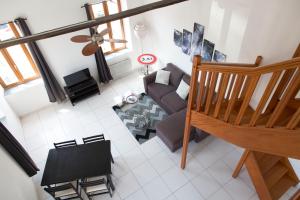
{"type": "Point", "coordinates": [171, 129]}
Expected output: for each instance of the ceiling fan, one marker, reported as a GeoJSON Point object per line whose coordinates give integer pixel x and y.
{"type": "Point", "coordinates": [95, 41]}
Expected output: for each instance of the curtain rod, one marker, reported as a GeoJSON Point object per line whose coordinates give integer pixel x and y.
{"type": "Point", "coordinates": [12, 21]}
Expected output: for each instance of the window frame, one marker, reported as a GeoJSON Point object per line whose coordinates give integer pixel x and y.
{"type": "Point", "coordinates": [13, 66]}
{"type": "Point", "coordinates": [110, 33]}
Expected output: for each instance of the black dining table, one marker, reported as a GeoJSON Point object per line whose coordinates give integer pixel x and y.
{"type": "Point", "coordinates": [73, 163]}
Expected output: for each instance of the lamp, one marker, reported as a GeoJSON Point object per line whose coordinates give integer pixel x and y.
{"type": "Point", "coordinates": [140, 31]}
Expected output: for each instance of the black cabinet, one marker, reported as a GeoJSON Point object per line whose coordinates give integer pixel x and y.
{"type": "Point", "coordinates": [80, 85]}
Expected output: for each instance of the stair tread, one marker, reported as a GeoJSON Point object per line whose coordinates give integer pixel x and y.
{"type": "Point", "coordinates": [281, 186]}
{"type": "Point", "coordinates": [266, 162]}
{"type": "Point", "coordinates": [275, 174]}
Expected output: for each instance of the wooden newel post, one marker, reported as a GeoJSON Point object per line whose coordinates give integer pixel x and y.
{"type": "Point", "coordinates": [191, 102]}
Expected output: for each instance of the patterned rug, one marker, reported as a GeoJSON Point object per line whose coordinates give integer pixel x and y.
{"type": "Point", "coordinates": [140, 118]}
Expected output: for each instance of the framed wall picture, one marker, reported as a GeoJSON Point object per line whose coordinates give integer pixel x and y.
{"type": "Point", "coordinates": [219, 57]}
{"type": "Point", "coordinates": [207, 50]}
{"type": "Point", "coordinates": [197, 41]}
{"type": "Point", "coordinates": [186, 42]}
{"type": "Point", "coordinates": [178, 38]}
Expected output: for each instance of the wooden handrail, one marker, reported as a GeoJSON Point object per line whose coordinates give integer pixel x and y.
{"type": "Point", "coordinates": [285, 65]}
{"type": "Point", "coordinates": [256, 64]}
{"type": "Point", "coordinates": [228, 64]}
{"type": "Point", "coordinates": [297, 52]}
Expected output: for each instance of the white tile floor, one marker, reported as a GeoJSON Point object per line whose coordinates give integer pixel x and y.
{"type": "Point", "coordinates": [141, 172]}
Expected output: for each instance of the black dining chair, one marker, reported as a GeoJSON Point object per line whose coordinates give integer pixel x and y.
{"type": "Point", "coordinates": [69, 143]}
{"type": "Point", "coordinates": [96, 138]}
{"type": "Point", "coordinates": [96, 187]}
{"type": "Point", "coordinates": [64, 192]}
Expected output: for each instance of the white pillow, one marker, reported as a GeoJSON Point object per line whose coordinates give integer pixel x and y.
{"type": "Point", "coordinates": [183, 89]}
{"type": "Point", "coordinates": [162, 77]}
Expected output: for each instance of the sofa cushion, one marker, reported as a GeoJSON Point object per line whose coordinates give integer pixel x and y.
{"type": "Point", "coordinates": [171, 130]}
{"type": "Point", "coordinates": [176, 74]}
{"type": "Point", "coordinates": [157, 91]}
{"type": "Point", "coordinates": [172, 102]}
{"type": "Point", "coordinates": [183, 90]}
{"type": "Point", "coordinates": [162, 77]}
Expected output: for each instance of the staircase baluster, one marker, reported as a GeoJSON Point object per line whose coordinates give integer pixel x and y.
{"type": "Point", "coordinates": [201, 90]}
{"type": "Point", "coordinates": [292, 124]}
{"type": "Point", "coordinates": [293, 85]}
{"type": "Point", "coordinates": [234, 96]}
{"type": "Point", "coordinates": [247, 98]}
{"type": "Point", "coordinates": [244, 88]}
{"type": "Point", "coordinates": [208, 79]}
{"type": "Point", "coordinates": [268, 91]}
{"type": "Point", "coordinates": [288, 74]}
{"type": "Point", "coordinates": [211, 91]}
{"type": "Point", "coordinates": [222, 90]}
{"type": "Point", "coordinates": [233, 78]}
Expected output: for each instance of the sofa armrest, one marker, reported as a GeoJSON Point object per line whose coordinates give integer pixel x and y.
{"type": "Point", "coordinates": [149, 79]}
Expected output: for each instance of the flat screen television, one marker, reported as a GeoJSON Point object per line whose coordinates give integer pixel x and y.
{"type": "Point", "coordinates": [77, 77]}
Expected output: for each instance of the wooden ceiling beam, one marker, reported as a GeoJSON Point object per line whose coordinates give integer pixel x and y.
{"type": "Point", "coordinates": [89, 24]}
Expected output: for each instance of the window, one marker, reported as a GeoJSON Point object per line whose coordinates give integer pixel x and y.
{"type": "Point", "coordinates": [116, 28]}
{"type": "Point", "coordinates": [16, 63]}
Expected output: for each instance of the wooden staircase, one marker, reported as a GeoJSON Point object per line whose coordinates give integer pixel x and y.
{"type": "Point", "coordinates": [222, 102]}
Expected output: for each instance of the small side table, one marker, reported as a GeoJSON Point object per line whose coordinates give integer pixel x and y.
{"type": "Point", "coordinates": [147, 59]}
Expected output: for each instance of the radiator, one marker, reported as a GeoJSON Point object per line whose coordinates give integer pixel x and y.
{"type": "Point", "coordinates": [120, 68]}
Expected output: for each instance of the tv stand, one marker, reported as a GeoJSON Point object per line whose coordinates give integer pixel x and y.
{"type": "Point", "coordinates": [80, 88]}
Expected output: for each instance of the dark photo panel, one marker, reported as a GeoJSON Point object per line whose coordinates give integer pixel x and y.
{"type": "Point", "coordinates": [186, 42]}
{"type": "Point", "coordinates": [219, 57]}
{"type": "Point", "coordinates": [207, 50]}
{"type": "Point", "coordinates": [178, 38]}
{"type": "Point", "coordinates": [197, 41]}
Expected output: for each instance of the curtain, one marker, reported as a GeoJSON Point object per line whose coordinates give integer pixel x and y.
{"type": "Point", "coordinates": [103, 69]}
{"type": "Point", "coordinates": [55, 92]}
{"type": "Point", "coordinates": [15, 149]}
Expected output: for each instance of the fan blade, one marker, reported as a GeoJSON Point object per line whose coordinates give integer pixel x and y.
{"type": "Point", "coordinates": [104, 32]}
{"type": "Point", "coordinates": [115, 40]}
{"type": "Point", "coordinates": [90, 49]}
{"type": "Point", "coordinates": [81, 38]}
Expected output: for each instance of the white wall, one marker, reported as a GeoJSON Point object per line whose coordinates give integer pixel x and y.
{"type": "Point", "coordinates": [63, 56]}
{"type": "Point", "coordinates": [15, 184]}
{"type": "Point", "coordinates": [241, 29]}
{"type": "Point", "coordinates": [11, 120]}
{"type": "Point", "coordinates": [28, 98]}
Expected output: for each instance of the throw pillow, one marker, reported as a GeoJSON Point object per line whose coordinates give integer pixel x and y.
{"type": "Point", "coordinates": [183, 89]}
{"type": "Point", "coordinates": [162, 77]}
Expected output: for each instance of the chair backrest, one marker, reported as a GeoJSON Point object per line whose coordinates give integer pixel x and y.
{"type": "Point", "coordinates": [96, 190]}
{"type": "Point", "coordinates": [69, 143]}
{"type": "Point", "coordinates": [95, 138]}
{"type": "Point", "coordinates": [56, 189]}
